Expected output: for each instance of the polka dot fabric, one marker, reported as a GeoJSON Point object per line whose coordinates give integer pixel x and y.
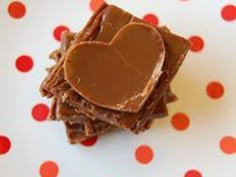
{"type": "Point", "coordinates": [49, 169]}
{"type": "Point", "coordinates": [5, 144]}
{"type": "Point", "coordinates": [228, 12]}
{"type": "Point", "coordinates": [215, 90]}
{"type": "Point", "coordinates": [144, 154]}
{"type": "Point", "coordinates": [201, 126]}
{"type": "Point", "coordinates": [193, 173]}
{"type": "Point", "coordinates": [197, 43]}
{"type": "Point", "coordinates": [180, 121]}
{"type": "Point", "coordinates": [24, 63]}
{"type": "Point", "coordinates": [40, 112]}
{"type": "Point", "coordinates": [16, 10]}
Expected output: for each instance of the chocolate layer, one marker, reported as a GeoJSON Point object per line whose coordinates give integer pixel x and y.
{"type": "Point", "coordinates": [55, 85]}
{"type": "Point", "coordinates": [78, 127]}
{"type": "Point", "coordinates": [103, 26]}
{"type": "Point", "coordinates": [90, 127]}
{"type": "Point", "coordinates": [57, 55]}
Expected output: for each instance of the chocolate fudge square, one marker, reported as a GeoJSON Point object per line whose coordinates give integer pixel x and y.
{"type": "Point", "coordinates": [78, 126]}
{"type": "Point", "coordinates": [103, 26]}
{"type": "Point", "coordinates": [107, 21]}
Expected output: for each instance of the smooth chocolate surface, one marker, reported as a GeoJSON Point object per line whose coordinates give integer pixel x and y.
{"type": "Point", "coordinates": [176, 49]}
{"type": "Point", "coordinates": [119, 75]}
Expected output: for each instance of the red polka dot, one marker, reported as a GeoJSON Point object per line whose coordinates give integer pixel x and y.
{"type": "Point", "coordinates": [228, 13]}
{"type": "Point", "coordinates": [197, 43]}
{"type": "Point", "coordinates": [49, 169]}
{"type": "Point", "coordinates": [90, 142]}
{"type": "Point", "coordinates": [144, 154]}
{"type": "Point", "coordinates": [151, 18]}
{"type": "Point", "coordinates": [5, 145]}
{"type": "Point", "coordinates": [24, 63]}
{"type": "Point", "coordinates": [95, 4]}
{"type": "Point", "coordinates": [40, 112]}
{"type": "Point", "coordinates": [215, 90]}
{"type": "Point", "coordinates": [58, 31]}
{"type": "Point", "coordinates": [193, 173]}
{"type": "Point", "coordinates": [180, 121]}
{"type": "Point", "coordinates": [16, 10]}
{"type": "Point", "coordinates": [228, 145]}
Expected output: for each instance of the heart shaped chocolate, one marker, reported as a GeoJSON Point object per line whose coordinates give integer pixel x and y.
{"type": "Point", "coordinates": [119, 75]}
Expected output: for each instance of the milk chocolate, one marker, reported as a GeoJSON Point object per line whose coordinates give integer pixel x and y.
{"type": "Point", "coordinates": [62, 85]}
{"type": "Point", "coordinates": [62, 111]}
{"type": "Point", "coordinates": [76, 134]}
{"type": "Point", "coordinates": [79, 127]}
{"type": "Point", "coordinates": [103, 26]}
{"type": "Point", "coordinates": [119, 75]}
{"type": "Point", "coordinates": [176, 49]}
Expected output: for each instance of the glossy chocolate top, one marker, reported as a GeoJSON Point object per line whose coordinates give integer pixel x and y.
{"type": "Point", "coordinates": [119, 75]}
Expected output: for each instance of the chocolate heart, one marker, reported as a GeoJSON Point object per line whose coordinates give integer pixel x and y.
{"type": "Point", "coordinates": [120, 75]}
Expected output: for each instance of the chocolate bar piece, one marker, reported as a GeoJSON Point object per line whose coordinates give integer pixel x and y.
{"type": "Point", "coordinates": [54, 84]}
{"type": "Point", "coordinates": [67, 38]}
{"type": "Point", "coordinates": [57, 54]}
{"type": "Point", "coordinates": [102, 27]}
{"type": "Point", "coordinates": [78, 128]}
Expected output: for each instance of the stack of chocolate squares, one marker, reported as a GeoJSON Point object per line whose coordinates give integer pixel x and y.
{"type": "Point", "coordinates": [115, 73]}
